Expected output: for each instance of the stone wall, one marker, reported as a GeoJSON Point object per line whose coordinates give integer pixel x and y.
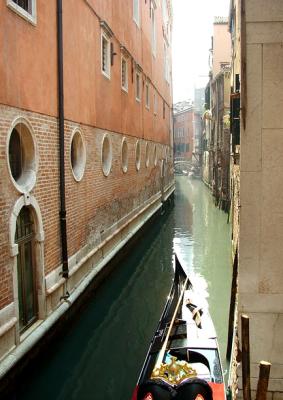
{"type": "Point", "coordinates": [261, 211]}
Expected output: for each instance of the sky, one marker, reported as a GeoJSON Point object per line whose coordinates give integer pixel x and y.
{"type": "Point", "coordinates": [191, 41]}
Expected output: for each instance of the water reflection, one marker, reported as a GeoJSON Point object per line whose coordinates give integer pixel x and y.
{"type": "Point", "coordinates": [207, 252]}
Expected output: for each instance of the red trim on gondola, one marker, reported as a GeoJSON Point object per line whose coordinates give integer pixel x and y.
{"type": "Point", "coordinates": [218, 391]}
{"type": "Point", "coordinates": [135, 394]}
{"type": "Point", "coordinates": [148, 396]}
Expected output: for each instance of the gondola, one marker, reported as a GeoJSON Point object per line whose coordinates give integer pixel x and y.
{"type": "Point", "coordinates": [183, 361]}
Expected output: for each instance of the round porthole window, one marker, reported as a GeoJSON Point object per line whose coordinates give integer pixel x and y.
{"type": "Point", "coordinates": [146, 154]}
{"type": "Point", "coordinates": [124, 155]}
{"type": "Point", "coordinates": [138, 155]}
{"type": "Point", "coordinates": [155, 155]}
{"type": "Point", "coordinates": [106, 155]}
{"type": "Point", "coordinates": [78, 155]}
{"type": "Point", "coordinates": [21, 156]}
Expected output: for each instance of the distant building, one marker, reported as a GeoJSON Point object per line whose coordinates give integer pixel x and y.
{"type": "Point", "coordinates": [221, 45]}
{"type": "Point", "coordinates": [183, 131]}
{"type": "Point", "coordinates": [216, 133]}
{"type": "Point", "coordinates": [199, 103]}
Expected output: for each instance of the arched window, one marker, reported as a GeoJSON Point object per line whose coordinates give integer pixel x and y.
{"type": "Point", "coordinates": [26, 269]}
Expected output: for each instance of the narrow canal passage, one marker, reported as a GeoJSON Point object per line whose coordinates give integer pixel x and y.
{"type": "Point", "coordinates": [101, 355]}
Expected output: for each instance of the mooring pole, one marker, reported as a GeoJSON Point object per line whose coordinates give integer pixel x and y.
{"type": "Point", "coordinates": [262, 385]}
{"type": "Point", "coordinates": [246, 375]}
{"type": "Point", "coordinates": [232, 307]}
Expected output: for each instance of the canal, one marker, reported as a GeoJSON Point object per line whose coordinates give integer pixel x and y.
{"type": "Point", "coordinates": [100, 356]}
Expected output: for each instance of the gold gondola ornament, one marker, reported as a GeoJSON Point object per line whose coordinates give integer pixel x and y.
{"type": "Point", "coordinates": [174, 372]}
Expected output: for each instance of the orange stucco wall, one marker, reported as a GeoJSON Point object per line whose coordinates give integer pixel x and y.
{"type": "Point", "coordinates": [29, 74]}
{"type": "Point", "coordinates": [221, 46]}
{"type": "Point", "coordinates": [28, 59]}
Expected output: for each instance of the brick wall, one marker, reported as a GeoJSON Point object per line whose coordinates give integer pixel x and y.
{"type": "Point", "coordinates": [93, 205]}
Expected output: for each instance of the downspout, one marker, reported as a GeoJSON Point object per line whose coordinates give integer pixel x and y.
{"type": "Point", "coordinates": [63, 226]}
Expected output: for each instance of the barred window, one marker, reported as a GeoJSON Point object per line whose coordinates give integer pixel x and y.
{"type": "Point", "coordinates": [25, 4]}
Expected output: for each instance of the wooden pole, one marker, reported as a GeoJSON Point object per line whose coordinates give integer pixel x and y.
{"type": "Point", "coordinates": [262, 385]}
{"type": "Point", "coordinates": [232, 307]}
{"type": "Point", "coordinates": [163, 348]}
{"type": "Point", "coordinates": [246, 375]}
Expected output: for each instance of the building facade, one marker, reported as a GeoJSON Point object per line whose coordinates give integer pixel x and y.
{"type": "Point", "coordinates": [221, 45]}
{"type": "Point", "coordinates": [85, 155]}
{"type": "Point", "coordinates": [257, 87]}
{"type": "Point", "coordinates": [199, 104]}
{"type": "Point", "coordinates": [183, 114]}
{"type": "Point", "coordinates": [219, 146]}
{"type": "Point", "coordinates": [216, 134]}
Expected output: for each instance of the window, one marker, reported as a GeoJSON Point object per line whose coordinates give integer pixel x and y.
{"type": "Point", "coordinates": [124, 155]}
{"type": "Point", "coordinates": [166, 64]}
{"type": "Point", "coordinates": [138, 155]}
{"type": "Point", "coordinates": [21, 157]}
{"type": "Point", "coordinates": [24, 8]}
{"type": "Point", "coordinates": [105, 55]}
{"type": "Point", "coordinates": [106, 155]}
{"type": "Point", "coordinates": [146, 154]}
{"type": "Point", "coordinates": [26, 269]}
{"type": "Point", "coordinates": [153, 28]}
{"type": "Point", "coordinates": [124, 74]}
{"type": "Point", "coordinates": [16, 154]}
{"type": "Point", "coordinates": [155, 155]}
{"type": "Point", "coordinates": [138, 86]}
{"type": "Point", "coordinates": [78, 156]}
{"type": "Point", "coordinates": [147, 98]}
{"type": "Point", "coordinates": [136, 12]}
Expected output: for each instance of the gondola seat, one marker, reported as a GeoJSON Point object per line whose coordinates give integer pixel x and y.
{"type": "Point", "coordinates": [193, 389]}
{"type": "Point", "coordinates": [155, 390]}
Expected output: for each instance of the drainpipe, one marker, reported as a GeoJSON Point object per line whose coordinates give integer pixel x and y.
{"type": "Point", "coordinates": [64, 244]}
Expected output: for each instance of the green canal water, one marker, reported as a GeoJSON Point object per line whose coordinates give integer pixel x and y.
{"type": "Point", "coordinates": [101, 355]}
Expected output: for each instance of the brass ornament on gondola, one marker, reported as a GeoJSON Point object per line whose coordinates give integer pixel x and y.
{"type": "Point", "coordinates": [174, 372]}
